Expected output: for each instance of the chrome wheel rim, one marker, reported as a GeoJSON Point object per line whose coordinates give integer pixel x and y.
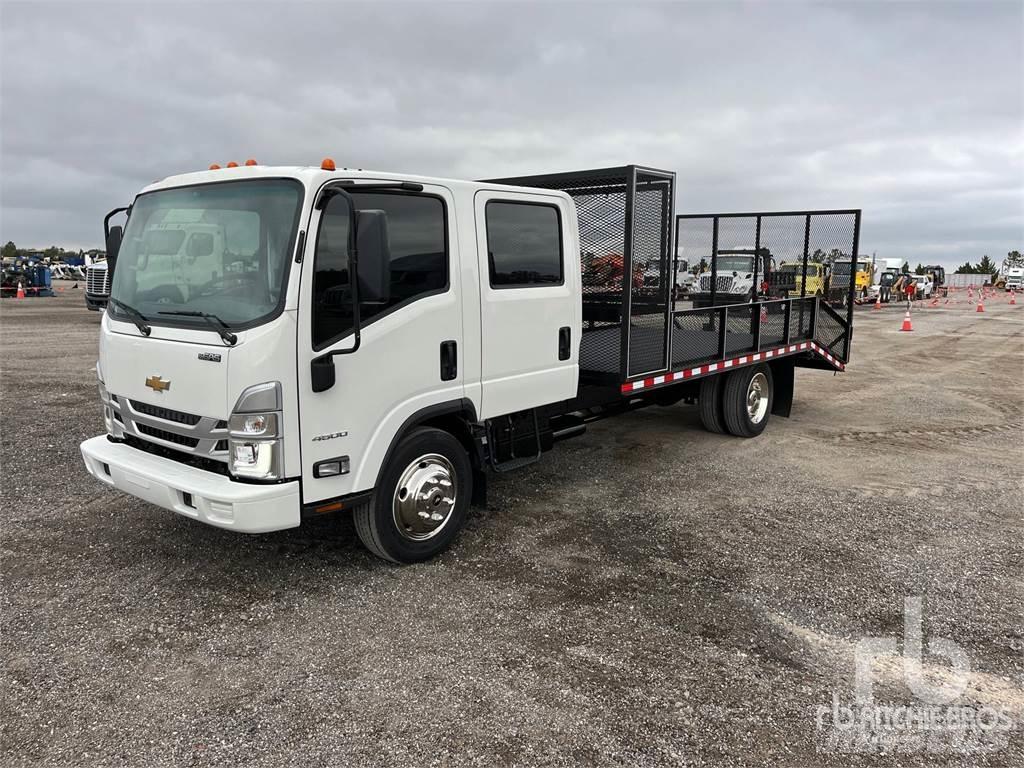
{"type": "Point", "coordinates": [757, 398]}
{"type": "Point", "coordinates": [424, 497]}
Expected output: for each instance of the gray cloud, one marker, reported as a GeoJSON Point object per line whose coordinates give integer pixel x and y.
{"type": "Point", "coordinates": [913, 112]}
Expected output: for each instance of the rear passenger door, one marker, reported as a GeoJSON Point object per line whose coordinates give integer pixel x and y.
{"type": "Point", "coordinates": [529, 301]}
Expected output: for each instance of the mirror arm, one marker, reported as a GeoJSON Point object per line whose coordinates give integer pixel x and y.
{"type": "Point", "coordinates": [107, 218]}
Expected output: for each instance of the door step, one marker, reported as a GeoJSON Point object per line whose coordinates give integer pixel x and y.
{"type": "Point", "coordinates": [513, 461]}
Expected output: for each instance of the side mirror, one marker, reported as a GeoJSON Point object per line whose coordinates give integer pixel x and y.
{"type": "Point", "coordinates": [113, 246]}
{"type": "Point", "coordinates": [374, 250]}
{"type": "Point", "coordinates": [321, 371]}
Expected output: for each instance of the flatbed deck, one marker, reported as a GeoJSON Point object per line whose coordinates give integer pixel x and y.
{"type": "Point", "coordinates": [637, 332]}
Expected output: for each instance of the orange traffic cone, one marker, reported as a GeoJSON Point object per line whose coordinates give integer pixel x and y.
{"type": "Point", "coordinates": [906, 322]}
{"type": "Point", "coordinates": [934, 302]}
{"type": "Point", "coordinates": [1013, 298]}
{"type": "Point", "coordinates": [764, 314]}
{"type": "Point", "coordinates": [21, 291]}
{"type": "Point", "coordinates": [878, 302]}
{"type": "Point", "coordinates": [981, 306]}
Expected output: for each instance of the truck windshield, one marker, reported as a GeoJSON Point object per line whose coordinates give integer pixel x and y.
{"type": "Point", "coordinates": [743, 264]}
{"type": "Point", "coordinates": [221, 249]}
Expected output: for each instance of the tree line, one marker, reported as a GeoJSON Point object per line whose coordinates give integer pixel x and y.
{"type": "Point", "coordinates": [53, 253]}
{"type": "Point", "coordinates": [986, 266]}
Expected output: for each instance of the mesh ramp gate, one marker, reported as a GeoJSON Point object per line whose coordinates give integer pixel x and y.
{"type": "Point", "coordinates": [791, 256]}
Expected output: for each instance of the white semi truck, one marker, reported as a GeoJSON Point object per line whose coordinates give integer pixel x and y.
{"type": "Point", "coordinates": [282, 342]}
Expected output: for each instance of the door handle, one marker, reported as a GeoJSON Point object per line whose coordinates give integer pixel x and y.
{"type": "Point", "coordinates": [449, 360]}
{"type": "Point", "coordinates": [564, 342]}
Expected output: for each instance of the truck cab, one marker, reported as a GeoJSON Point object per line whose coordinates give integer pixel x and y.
{"type": "Point", "coordinates": [925, 287]}
{"type": "Point", "coordinates": [1014, 279]}
{"type": "Point", "coordinates": [737, 279]}
{"type": "Point", "coordinates": [814, 283]}
{"type": "Point", "coordinates": [286, 341]}
{"type": "Point", "coordinates": [839, 280]}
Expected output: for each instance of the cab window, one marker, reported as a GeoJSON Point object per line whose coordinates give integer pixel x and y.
{"type": "Point", "coordinates": [524, 244]}
{"type": "Point", "coordinates": [418, 235]}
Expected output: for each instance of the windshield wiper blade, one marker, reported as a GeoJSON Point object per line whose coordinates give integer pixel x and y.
{"type": "Point", "coordinates": [222, 328]}
{"type": "Point", "coordinates": [137, 317]}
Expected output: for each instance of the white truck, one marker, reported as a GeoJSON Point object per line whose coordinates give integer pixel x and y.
{"type": "Point", "coordinates": [97, 286]}
{"type": "Point", "coordinates": [1012, 271]}
{"type": "Point", "coordinates": [735, 278]}
{"type": "Point", "coordinates": [317, 340]}
{"type": "Point", "coordinates": [925, 287]}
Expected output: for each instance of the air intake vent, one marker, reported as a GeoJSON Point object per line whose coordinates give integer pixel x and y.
{"type": "Point", "coordinates": [166, 413]}
{"type": "Point", "coordinates": [169, 437]}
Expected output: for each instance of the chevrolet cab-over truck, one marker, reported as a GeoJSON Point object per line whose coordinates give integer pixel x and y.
{"type": "Point", "coordinates": [285, 342]}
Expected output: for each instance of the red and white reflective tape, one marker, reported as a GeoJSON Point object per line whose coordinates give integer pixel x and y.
{"type": "Point", "coordinates": [756, 357]}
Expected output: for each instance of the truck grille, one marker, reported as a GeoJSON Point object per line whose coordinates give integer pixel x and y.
{"type": "Point", "coordinates": [97, 281]}
{"type": "Point", "coordinates": [169, 437]}
{"type": "Point", "coordinates": [722, 285]}
{"type": "Point", "coordinates": [166, 413]}
{"type": "Point", "coordinates": [201, 437]}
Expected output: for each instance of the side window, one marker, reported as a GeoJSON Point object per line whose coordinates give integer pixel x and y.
{"type": "Point", "coordinates": [417, 232]}
{"type": "Point", "coordinates": [524, 244]}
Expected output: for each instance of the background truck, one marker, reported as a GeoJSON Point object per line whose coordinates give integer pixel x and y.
{"type": "Point", "coordinates": [864, 278]}
{"type": "Point", "coordinates": [97, 286]}
{"type": "Point", "coordinates": [925, 287]}
{"type": "Point", "coordinates": [937, 273]}
{"type": "Point", "coordinates": [812, 282]}
{"type": "Point", "coordinates": [392, 339]}
{"type": "Point", "coordinates": [1012, 271]}
{"type": "Point", "coordinates": [736, 276]}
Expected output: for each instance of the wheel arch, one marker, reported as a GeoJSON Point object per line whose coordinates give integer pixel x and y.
{"type": "Point", "coordinates": [456, 417]}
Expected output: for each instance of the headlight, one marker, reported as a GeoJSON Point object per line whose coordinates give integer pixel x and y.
{"type": "Point", "coordinates": [255, 424]}
{"type": "Point", "coordinates": [255, 447]}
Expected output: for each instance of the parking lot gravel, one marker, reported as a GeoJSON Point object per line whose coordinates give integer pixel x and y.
{"type": "Point", "coordinates": [650, 594]}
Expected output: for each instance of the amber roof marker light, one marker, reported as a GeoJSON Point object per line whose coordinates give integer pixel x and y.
{"type": "Point", "coordinates": [250, 161]}
{"type": "Point", "coordinates": [232, 164]}
{"type": "Point", "coordinates": [328, 165]}
{"type": "Point", "coordinates": [214, 167]}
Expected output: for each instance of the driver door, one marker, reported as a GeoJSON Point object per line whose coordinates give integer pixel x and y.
{"type": "Point", "coordinates": [410, 348]}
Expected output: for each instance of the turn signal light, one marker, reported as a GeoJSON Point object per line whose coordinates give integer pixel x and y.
{"type": "Point", "coordinates": [328, 165]}
{"type": "Point", "coordinates": [334, 506]}
{"type": "Point", "coordinates": [232, 164]}
{"type": "Point", "coordinates": [250, 161]}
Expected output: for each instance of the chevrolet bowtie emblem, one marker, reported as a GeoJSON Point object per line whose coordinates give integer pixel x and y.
{"type": "Point", "coordinates": [157, 384]}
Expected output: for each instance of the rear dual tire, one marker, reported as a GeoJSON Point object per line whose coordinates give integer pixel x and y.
{"type": "Point", "coordinates": [739, 402]}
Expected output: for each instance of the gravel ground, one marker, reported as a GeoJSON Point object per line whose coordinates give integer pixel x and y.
{"type": "Point", "coordinates": [650, 594]}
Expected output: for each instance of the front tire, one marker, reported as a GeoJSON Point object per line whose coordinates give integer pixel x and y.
{"type": "Point", "coordinates": [422, 500]}
{"type": "Point", "coordinates": [747, 400]}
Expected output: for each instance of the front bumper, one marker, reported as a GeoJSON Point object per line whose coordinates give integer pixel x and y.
{"type": "Point", "coordinates": [215, 499]}
{"type": "Point", "coordinates": [704, 299]}
{"type": "Point", "coordinates": [95, 302]}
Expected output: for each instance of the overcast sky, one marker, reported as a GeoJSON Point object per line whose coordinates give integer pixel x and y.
{"type": "Point", "coordinates": [912, 111]}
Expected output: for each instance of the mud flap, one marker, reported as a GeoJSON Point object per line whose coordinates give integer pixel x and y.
{"type": "Point", "coordinates": [782, 381]}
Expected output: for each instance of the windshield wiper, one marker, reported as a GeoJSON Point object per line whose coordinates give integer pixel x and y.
{"type": "Point", "coordinates": [222, 328]}
{"type": "Point", "coordinates": [137, 317]}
